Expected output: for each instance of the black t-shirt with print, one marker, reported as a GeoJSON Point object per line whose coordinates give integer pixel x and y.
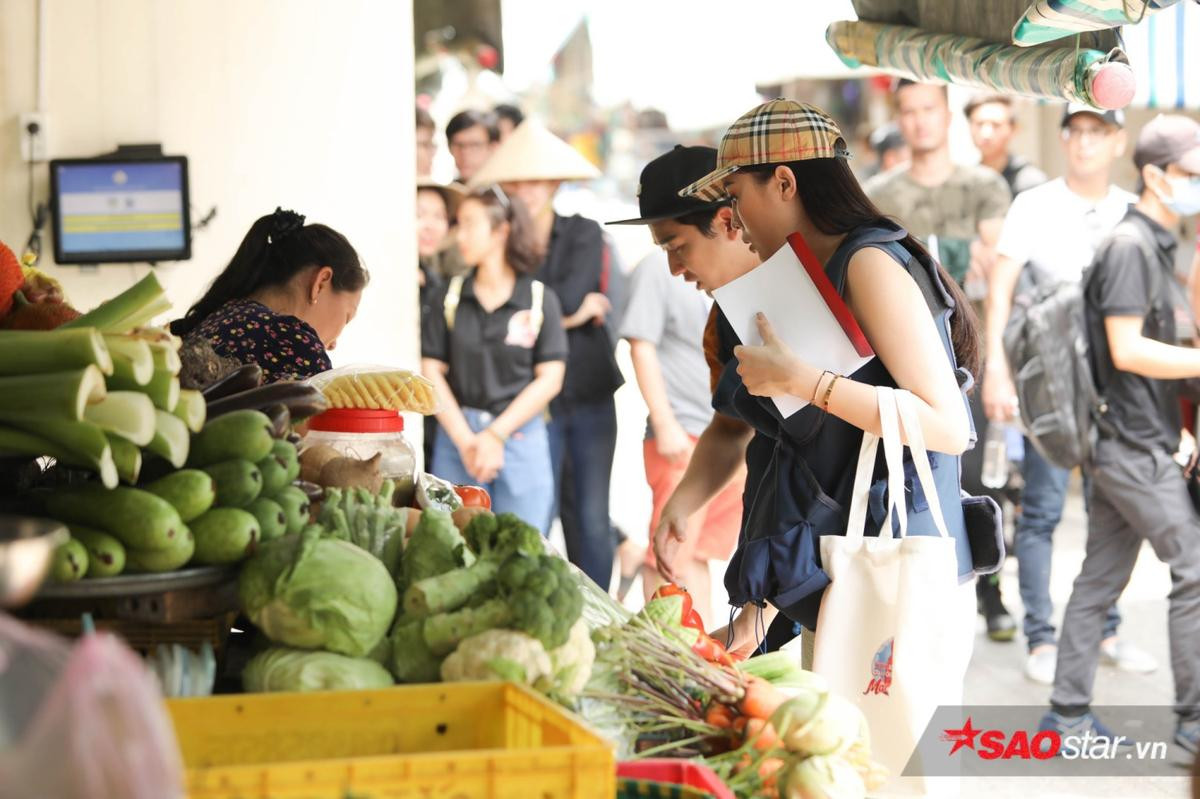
{"type": "Point", "coordinates": [492, 355]}
{"type": "Point", "coordinates": [1123, 282]}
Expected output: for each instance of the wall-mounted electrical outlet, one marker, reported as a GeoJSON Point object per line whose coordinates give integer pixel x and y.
{"type": "Point", "coordinates": [33, 136]}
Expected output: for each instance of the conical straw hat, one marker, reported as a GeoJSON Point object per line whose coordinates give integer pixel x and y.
{"type": "Point", "coordinates": [531, 152]}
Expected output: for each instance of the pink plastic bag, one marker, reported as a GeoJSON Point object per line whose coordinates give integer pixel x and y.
{"type": "Point", "coordinates": [82, 721]}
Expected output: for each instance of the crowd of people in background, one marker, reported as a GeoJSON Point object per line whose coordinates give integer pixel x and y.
{"type": "Point", "coordinates": [520, 338]}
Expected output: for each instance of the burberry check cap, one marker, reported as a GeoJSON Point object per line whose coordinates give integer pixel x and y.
{"type": "Point", "coordinates": [773, 133]}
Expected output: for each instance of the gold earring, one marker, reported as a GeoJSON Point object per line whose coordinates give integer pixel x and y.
{"type": "Point", "coordinates": [312, 302]}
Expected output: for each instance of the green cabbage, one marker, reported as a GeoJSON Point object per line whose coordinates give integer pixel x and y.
{"type": "Point", "coordinates": [281, 669]}
{"type": "Point", "coordinates": [318, 593]}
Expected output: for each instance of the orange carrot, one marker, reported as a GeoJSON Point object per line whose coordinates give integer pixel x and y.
{"type": "Point", "coordinates": [762, 699]}
{"type": "Point", "coordinates": [768, 771]}
{"type": "Point", "coordinates": [739, 724]}
{"type": "Point", "coordinates": [719, 715]}
{"type": "Point", "coordinates": [763, 735]}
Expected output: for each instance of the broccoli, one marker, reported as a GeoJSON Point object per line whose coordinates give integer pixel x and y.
{"type": "Point", "coordinates": [538, 595]}
{"type": "Point", "coordinates": [494, 540]}
{"type": "Point", "coordinates": [411, 659]}
{"type": "Point", "coordinates": [436, 547]}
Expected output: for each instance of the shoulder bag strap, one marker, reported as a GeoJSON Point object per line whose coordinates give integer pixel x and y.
{"type": "Point", "coordinates": [450, 304]}
{"type": "Point", "coordinates": [536, 308]}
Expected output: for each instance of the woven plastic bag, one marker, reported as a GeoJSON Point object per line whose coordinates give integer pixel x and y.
{"type": "Point", "coordinates": [82, 721]}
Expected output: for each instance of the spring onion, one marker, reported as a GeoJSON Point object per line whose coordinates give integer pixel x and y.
{"type": "Point", "coordinates": [192, 409]}
{"type": "Point", "coordinates": [84, 449]}
{"type": "Point", "coordinates": [171, 438]}
{"type": "Point", "coordinates": [127, 457]}
{"type": "Point", "coordinates": [129, 414]}
{"type": "Point", "coordinates": [62, 395]}
{"type": "Point", "coordinates": [132, 308]}
{"type": "Point", "coordinates": [133, 363]}
{"type": "Point", "coordinates": [162, 388]}
{"type": "Point", "coordinates": [37, 351]}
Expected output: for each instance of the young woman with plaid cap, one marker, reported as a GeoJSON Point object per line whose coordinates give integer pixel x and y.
{"type": "Point", "coordinates": [783, 166]}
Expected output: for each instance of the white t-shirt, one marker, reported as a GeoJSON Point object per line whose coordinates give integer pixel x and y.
{"type": "Point", "coordinates": [1059, 230]}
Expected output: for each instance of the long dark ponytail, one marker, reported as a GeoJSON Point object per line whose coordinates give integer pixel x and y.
{"type": "Point", "coordinates": [277, 247]}
{"type": "Point", "coordinates": [836, 204]}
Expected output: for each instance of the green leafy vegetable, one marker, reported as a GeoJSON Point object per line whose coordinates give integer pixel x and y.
{"type": "Point", "coordinates": [313, 592]}
{"type": "Point", "coordinates": [283, 669]}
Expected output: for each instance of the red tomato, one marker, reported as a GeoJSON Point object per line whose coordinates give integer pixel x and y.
{"type": "Point", "coordinates": [473, 497]}
{"type": "Point", "coordinates": [670, 589]}
{"type": "Point", "coordinates": [711, 650]}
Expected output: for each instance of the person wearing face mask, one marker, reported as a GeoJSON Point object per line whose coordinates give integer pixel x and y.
{"type": "Point", "coordinates": [783, 166]}
{"type": "Point", "coordinates": [664, 324]}
{"type": "Point", "coordinates": [1050, 235]}
{"type": "Point", "coordinates": [283, 300]}
{"type": "Point", "coordinates": [532, 164]}
{"type": "Point", "coordinates": [494, 347]}
{"type": "Point", "coordinates": [1133, 309]}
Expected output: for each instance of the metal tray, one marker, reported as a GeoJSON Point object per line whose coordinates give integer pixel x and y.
{"type": "Point", "coordinates": [135, 584]}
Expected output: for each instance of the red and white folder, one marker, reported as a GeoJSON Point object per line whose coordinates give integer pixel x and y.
{"type": "Point", "coordinates": [798, 299]}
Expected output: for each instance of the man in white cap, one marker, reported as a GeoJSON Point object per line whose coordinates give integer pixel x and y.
{"type": "Point", "coordinates": [1050, 234]}
{"type": "Point", "coordinates": [1135, 316]}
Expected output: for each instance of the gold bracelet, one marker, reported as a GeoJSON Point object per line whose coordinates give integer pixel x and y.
{"type": "Point", "coordinates": [496, 435]}
{"type": "Point", "coordinates": [829, 391]}
{"type": "Point", "coordinates": [817, 387]}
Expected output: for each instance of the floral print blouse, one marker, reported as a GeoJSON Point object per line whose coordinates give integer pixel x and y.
{"type": "Point", "coordinates": [285, 347]}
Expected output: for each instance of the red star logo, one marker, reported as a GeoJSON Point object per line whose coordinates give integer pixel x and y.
{"type": "Point", "coordinates": [960, 738]}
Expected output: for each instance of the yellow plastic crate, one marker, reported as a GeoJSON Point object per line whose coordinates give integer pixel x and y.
{"type": "Point", "coordinates": [440, 741]}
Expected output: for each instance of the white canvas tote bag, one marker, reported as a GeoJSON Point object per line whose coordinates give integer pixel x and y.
{"type": "Point", "coordinates": [895, 628]}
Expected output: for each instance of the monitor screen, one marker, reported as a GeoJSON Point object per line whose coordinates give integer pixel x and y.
{"type": "Point", "coordinates": [120, 211]}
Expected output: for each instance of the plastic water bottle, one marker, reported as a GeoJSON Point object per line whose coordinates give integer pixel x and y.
{"type": "Point", "coordinates": [995, 457]}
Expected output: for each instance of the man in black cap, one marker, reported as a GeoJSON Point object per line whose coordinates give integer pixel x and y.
{"type": "Point", "coordinates": [664, 323]}
{"type": "Point", "coordinates": [1136, 318]}
{"type": "Point", "coordinates": [1050, 235]}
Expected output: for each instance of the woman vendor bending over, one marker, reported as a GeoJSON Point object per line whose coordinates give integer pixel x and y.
{"type": "Point", "coordinates": [284, 299]}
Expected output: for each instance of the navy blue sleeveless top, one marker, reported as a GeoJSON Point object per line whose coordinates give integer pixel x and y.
{"type": "Point", "coordinates": [800, 470]}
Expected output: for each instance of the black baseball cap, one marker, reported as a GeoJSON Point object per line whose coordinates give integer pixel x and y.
{"type": "Point", "coordinates": [1112, 116]}
{"type": "Point", "coordinates": [661, 180]}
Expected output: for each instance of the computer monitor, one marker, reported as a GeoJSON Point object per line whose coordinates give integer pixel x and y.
{"type": "Point", "coordinates": [114, 210]}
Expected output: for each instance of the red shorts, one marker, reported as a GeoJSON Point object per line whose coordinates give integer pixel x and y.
{"type": "Point", "coordinates": [713, 531]}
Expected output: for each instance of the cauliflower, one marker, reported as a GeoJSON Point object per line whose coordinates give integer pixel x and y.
{"type": "Point", "coordinates": [572, 662]}
{"type": "Point", "coordinates": [498, 654]}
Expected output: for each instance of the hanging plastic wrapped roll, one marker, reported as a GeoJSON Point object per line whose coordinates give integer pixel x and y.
{"type": "Point", "coordinates": [1100, 79]}
{"type": "Point", "coordinates": [1048, 20]}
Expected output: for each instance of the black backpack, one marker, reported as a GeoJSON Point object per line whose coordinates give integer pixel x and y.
{"type": "Point", "coordinates": [1046, 342]}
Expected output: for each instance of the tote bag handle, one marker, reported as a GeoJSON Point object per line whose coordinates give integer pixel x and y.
{"type": "Point", "coordinates": [906, 405]}
{"type": "Point", "coordinates": [892, 449]}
